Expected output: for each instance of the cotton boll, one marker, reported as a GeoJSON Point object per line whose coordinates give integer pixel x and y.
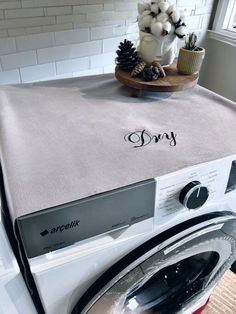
{"type": "Point", "coordinates": [145, 13]}
{"type": "Point", "coordinates": [162, 17]}
{"type": "Point", "coordinates": [175, 16]}
{"type": "Point", "coordinates": [143, 7]}
{"type": "Point", "coordinates": [156, 29]}
{"type": "Point", "coordinates": [166, 28]}
{"type": "Point", "coordinates": [145, 22]}
{"type": "Point", "coordinates": [180, 31]}
{"type": "Point", "coordinates": [155, 8]}
{"type": "Point", "coordinates": [171, 9]}
{"type": "Point", "coordinates": [163, 6]}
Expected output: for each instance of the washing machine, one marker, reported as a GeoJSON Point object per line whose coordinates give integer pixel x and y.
{"type": "Point", "coordinates": [14, 295]}
{"type": "Point", "coordinates": [115, 206]}
{"type": "Point", "coordinates": [177, 252]}
{"type": "Point", "coordinates": [168, 263]}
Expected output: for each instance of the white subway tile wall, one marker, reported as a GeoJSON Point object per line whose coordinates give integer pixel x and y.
{"type": "Point", "coordinates": [52, 39]}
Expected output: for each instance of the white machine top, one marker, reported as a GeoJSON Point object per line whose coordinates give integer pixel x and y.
{"type": "Point", "coordinates": [65, 140]}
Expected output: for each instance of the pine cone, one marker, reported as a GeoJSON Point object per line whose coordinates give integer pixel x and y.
{"type": "Point", "coordinates": [138, 69]}
{"type": "Point", "coordinates": [155, 72]}
{"type": "Point", "coordinates": [162, 72]}
{"type": "Point", "coordinates": [148, 74]}
{"type": "Point", "coordinates": [127, 56]}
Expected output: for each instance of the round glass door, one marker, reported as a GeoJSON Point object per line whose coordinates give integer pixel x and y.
{"type": "Point", "coordinates": [169, 288]}
{"type": "Point", "coordinates": [155, 278]}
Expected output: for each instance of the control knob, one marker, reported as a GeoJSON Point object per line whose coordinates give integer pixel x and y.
{"type": "Point", "coordinates": [194, 195]}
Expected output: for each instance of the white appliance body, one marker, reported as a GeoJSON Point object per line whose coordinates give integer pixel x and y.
{"type": "Point", "coordinates": [14, 296]}
{"type": "Point", "coordinates": [63, 276]}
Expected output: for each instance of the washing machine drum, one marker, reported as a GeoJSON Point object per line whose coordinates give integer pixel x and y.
{"type": "Point", "coordinates": [167, 273]}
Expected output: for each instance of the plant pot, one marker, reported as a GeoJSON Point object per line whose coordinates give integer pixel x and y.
{"type": "Point", "coordinates": [160, 49]}
{"type": "Point", "coordinates": [190, 61]}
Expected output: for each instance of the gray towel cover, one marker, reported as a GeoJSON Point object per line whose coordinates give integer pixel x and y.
{"type": "Point", "coordinates": [65, 140]}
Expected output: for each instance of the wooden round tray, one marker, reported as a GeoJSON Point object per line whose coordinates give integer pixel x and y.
{"type": "Point", "coordinates": [171, 83]}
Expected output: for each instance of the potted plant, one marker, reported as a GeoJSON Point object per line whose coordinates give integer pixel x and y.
{"type": "Point", "coordinates": [190, 56]}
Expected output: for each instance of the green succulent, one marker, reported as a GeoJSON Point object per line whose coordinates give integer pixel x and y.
{"type": "Point", "coordinates": [190, 42]}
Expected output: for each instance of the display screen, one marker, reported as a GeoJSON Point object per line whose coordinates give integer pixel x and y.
{"type": "Point", "coordinates": [231, 186]}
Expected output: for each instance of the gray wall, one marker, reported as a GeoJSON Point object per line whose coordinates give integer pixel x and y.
{"type": "Point", "coordinates": [219, 68]}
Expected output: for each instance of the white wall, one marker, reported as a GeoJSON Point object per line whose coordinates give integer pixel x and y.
{"type": "Point", "coordinates": [219, 68]}
{"type": "Point", "coordinates": [46, 39]}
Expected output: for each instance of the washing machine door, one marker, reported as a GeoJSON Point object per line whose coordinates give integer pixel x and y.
{"type": "Point", "coordinates": [168, 272]}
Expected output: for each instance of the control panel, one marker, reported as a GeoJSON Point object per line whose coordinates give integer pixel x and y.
{"type": "Point", "coordinates": [194, 188]}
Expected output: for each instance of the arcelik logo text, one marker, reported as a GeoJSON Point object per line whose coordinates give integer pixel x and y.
{"type": "Point", "coordinates": [61, 228]}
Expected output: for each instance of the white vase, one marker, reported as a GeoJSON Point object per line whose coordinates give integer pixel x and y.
{"type": "Point", "coordinates": [160, 49]}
